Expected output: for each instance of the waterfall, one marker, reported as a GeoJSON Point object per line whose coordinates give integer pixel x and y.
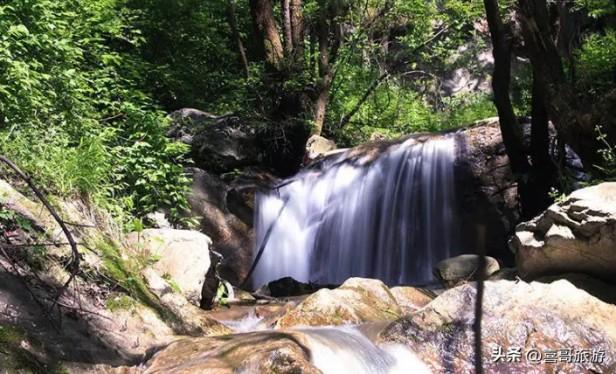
{"type": "Point", "coordinates": [389, 216]}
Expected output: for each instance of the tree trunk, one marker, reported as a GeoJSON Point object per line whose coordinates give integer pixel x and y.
{"type": "Point", "coordinates": [297, 30]}
{"type": "Point", "coordinates": [285, 7]}
{"type": "Point", "coordinates": [265, 23]}
{"type": "Point", "coordinates": [327, 57]}
{"type": "Point", "coordinates": [573, 126]}
{"type": "Point", "coordinates": [541, 177]}
{"type": "Point", "coordinates": [501, 78]}
{"type": "Point", "coordinates": [231, 14]}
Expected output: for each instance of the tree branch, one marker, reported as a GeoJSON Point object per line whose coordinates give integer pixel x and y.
{"type": "Point", "coordinates": [75, 260]}
{"type": "Point", "coordinates": [373, 86]}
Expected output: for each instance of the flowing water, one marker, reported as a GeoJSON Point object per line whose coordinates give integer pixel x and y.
{"type": "Point", "coordinates": [345, 350]}
{"type": "Point", "coordinates": [390, 218]}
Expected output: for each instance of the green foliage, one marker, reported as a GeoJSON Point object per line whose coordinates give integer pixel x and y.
{"type": "Point", "coordinates": [597, 60]}
{"type": "Point", "coordinates": [222, 293]}
{"type": "Point", "coordinates": [608, 155]}
{"type": "Point", "coordinates": [72, 113]}
{"type": "Point", "coordinates": [435, 42]}
{"type": "Point", "coordinates": [172, 283]}
{"type": "Point", "coordinates": [597, 8]}
{"type": "Point", "coordinates": [34, 255]}
{"type": "Point", "coordinates": [120, 302]}
{"type": "Point", "coordinates": [394, 110]}
{"type": "Point", "coordinates": [191, 61]}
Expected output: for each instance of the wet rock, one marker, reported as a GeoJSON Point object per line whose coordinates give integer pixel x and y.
{"type": "Point", "coordinates": [278, 352]}
{"type": "Point", "coordinates": [232, 237]}
{"type": "Point", "coordinates": [357, 300]}
{"type": "Point", "coordinates": [461, 269]}
{"type": "Point", "coordinates": [182, 257]}
{"type": "Point", "coordinates": [185, 317]}
{"type": "Point", "coordinates": [555, 317]}
{"type": "Point", "coordinates": [577, 235]}
{"type": "Point", "coordinates": [486, 190]}
{"type": "Point", "coordinates": [317, 147]}
{"type": "Point", "coordinates": [287, 286]}
{"type": "Point", "coordinates": [411, 299]}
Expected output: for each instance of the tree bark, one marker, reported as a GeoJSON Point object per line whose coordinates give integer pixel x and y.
{"type": "Point", "coordinates": [231, 14]}
{"type": "Point", "coordinates": [501, 78]}
{"type": "Point", "coordinates": [541, 177]}
{"type": "Point", "coordinates": [574, 126]}
{"type": "Point", "coordinates": [265, 23]}
{"type": "Point", "coordinates": [297, 30]}
{"type": "Point", "coordinates": [327, 57]}
{"type": "Point", "coordinates": [285, 7]}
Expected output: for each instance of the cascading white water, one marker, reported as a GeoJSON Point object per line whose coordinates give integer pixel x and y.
{"type": "Point", "coordinates": [391, 218]}
{"type": "Point", "coordinates": [345, 350]}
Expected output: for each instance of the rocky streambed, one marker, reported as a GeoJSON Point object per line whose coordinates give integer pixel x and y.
{"type": "Point", "coordinates": [365, 327]}
{"type": "Point", "coordinates": [541, 324]}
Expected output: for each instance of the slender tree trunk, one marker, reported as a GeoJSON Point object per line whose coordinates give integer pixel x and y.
{"type": "Point", "coordinates": [543, 169]}
{"type": "Point", "coordinates": [574, 126]}
{"type": "Point", "coordinates": [285, 7]}
{"type": "Point", "coordinates": [297, 30]}
{"type": "Point", "coordinates": [231, 14]}
{"type": "Point", "coordinates": [501, 49]}
{"type": "Point", "coordinates": [327, 57]}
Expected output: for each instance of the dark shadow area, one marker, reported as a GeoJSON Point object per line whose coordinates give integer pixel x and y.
{"type": "Point", "coordinates": [74, 340]}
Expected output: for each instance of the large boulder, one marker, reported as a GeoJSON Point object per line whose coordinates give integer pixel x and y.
{"type": "Point", "coordinates": [487, 189]}
{"type": "Point", "coordinates": [556, 320]}
{"type": "Point", "coordinates": [463, 268]}
{"type": "Point", "coordinates": [356, 301]}
{"type": "Point", "coordinates": [181, 256]}
{"type": "Point", "coordinates": [278, 352]}
{"type": "Point", "coordinates": [411, 299]}
{"type": "Point", "coordinates": [218, 143]}
{"type": "Point", "coordinates": [577, 235]}
{"type": "Point", "coordinates": [220, 212]}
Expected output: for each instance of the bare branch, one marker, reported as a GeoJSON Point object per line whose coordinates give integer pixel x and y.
{"type": "Point", "coordinates": [74, 264]}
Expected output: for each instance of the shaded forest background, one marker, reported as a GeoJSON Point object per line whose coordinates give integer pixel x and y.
{"type": "Point", "coordinates": [86, 85]}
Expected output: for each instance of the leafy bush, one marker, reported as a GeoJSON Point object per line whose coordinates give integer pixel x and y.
{"type": "Point", "coordinates": [597, 60]}
{"type": "Point", "coordinates": [72, 113]}
{"type": "Point", "coordinates": [608, 156]}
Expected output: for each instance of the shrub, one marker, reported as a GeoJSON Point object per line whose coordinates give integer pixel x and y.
{"type": "Point", "coordinates": [71, 111]}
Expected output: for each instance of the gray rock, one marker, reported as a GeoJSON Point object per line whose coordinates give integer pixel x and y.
{"type": "Point", "coordinates": [217, 143]}
{"type": "Point", "coordinates": [182, 257]}
{"type": "Point", "coordinates": [461, 269]}
{"type": "Point", "coordinates": [577, 235]}
{"type": "Point", "coordinates": [516, 315]}
{"type": "Point", "coordinates": [317, 147]}
{"type": "Point", "coordinates": [158, 220]}
{"type": "Point", "coordinates": [210, 200]}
